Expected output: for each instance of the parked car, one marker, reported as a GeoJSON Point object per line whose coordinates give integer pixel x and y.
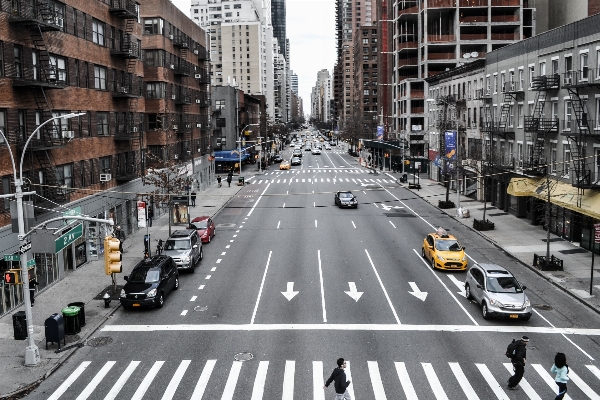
{"type": "Point", "coordinates": [185, 247]}
{"type": "Point", "coordinates": [296, 161]}
{"type": "Point", "coordinates": [346, 199]}
{"type": "Point", "coordinates": [498, 292]}
{"type": "Point", "coordinates": [149, 282]}
{"type": "Point", "coordinates": [444, 251]}
{"type": "Point", "coordinates": [205, 227]}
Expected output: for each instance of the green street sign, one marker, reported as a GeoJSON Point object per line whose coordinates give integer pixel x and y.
{"type": "Point", "coordinates": [68, 238]}
{"type": "Point", "coordinates": [30, 263]}
{"type": "Point", "coordinates": [74, 211]}
{"type": "Point", "coordinates": [12, 257]}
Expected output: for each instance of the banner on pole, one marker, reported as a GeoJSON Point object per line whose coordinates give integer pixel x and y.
{"type": "Point", "coordinates": [597, 233]}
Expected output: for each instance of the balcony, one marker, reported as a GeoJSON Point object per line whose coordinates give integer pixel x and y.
{"type": "Point", "coordinates": [183, 69]}
{"type": "Point", "coordinates": [506, 3]}
{"type": "Point", "coordinates": [36, 76]}
{"type": "Point", "coordinates": [123, 8]}
{"type": "Point", "coordinates": [441, 38]}
{"type": "Point", "coordinates": [50, 138]}
{"type": "Point", "coordinates": [541, 125]}
{"type": "Point", "coordinates": [35, 12]}
{"type": "Point", "coordinates": [203, 99]}
{"type": "Point", "coordinates": [417, 94]}
{"type": "Point", "coordinates": [181, 41]}
{"type": "Point", "coordinates": [512, 87]}
{"type": "Point", "coordinates": [202, 76]}
{"type": "Point", "coordinates": [577, 79]}
{"type": "Point", "coordinates": [585, 127]}
{"type": "Point", "coordinates": [183, 99]}
{"type": "Point", "coordinates": [127, 90]}
{"type": "Point", "coordinates": [126, 48]}
{"type": "Point", "coordinates": [203, 54]}
{"type": "Point", "coordinates": [545, 82]}
{"type": "Point", "coordinates": [441, 3]}
{"type": "Point", "coordinates": [417, 110]}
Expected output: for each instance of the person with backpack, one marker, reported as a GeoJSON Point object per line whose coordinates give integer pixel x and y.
{"type": "Point", "coordinates": [229, 178]}
{"type": "Point", "coordinates": [338, 376]}
{"type": "Point", "coordinates": [517, 352]}
{"type": "Point", "coordinates": [561, 369]}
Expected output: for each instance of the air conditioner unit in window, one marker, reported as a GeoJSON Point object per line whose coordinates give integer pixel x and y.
{"type": "Point", "coordinates": [59, 21]}
{"type": "Point", "coordinates": [175, 127]}
{"type": "Point", "coordinates": [197, 101]}
{"type": "Point", "coordinates": [198, 125]}
{"type": "Point", "coordinates": [105, 177]}
{"type": "Point", "coordinates": [124, 90]}
{"type": "Point", "coordinates": [176, 156]}
{"type": "Point", "coordinates": [173, 97]}
{"type": "Point", "coordinates": [171, 37]}
{"type": "Point", "coordinates": [172, 66]}
{"type": "Point", "coordinates": [135, 129]}
{"type": "Point", "coordinates": [68, 134]}
{"type": "Point", "coordinates": [197, 76]}
{"type": "Point", "coordinates": [195, 51]}
{"type": "Point", "coordinates": [568, 81]}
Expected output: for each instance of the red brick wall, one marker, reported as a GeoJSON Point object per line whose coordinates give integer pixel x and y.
{"type": "Point", "coordinates": [593, 7]}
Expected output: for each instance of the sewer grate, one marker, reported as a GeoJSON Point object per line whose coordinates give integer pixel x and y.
{"type": "Point", "coordinates": [98, 341]}
{"type": "Point", "coordinates": [544, 307]}
{"type": "Point", "coordinates": [200, 308]}
{"type": "Point", "coordinates": [243, 356]}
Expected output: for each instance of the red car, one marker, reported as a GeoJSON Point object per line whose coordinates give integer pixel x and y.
{"type": "Point", "coordinates": [205, 227]}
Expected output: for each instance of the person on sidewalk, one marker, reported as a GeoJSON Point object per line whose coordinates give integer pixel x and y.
{"type": "Point", "coordinates": [193, 197]}
{"type": "Point", "coordinates": [518, 362]}
{"type": "Point", "coordinates": [561, 369]}
{"type": "Point", "coordinates": [229, 178]}
{"type": "Point", "coordinates": [338, 376]}
{"type": "Point", "coordinates": [119, 234]}
{"type": "Point", "coordinates": [32, 284]}
{"type": "Point", "coordinates": [150, 216]}
{"type": "Point", "coordinates": [219, 180]}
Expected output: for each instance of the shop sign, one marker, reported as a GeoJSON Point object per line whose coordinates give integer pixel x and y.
{"type": "Point", "coordinates": [597, 233]}
{"type": "Point", "coordinates": [68, 238]}
{"type": "Point", "coordinates": [141, 211]}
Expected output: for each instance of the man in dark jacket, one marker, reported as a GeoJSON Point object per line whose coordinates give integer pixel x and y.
{"type": "Point", "coordinates": [518, 362]}
{"type": "Point", "coordinates": [338, 376]}
{"type": "Point", "coordinates": [229, 178]}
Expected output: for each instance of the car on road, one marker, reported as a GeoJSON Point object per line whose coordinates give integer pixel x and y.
{"type": "Point", "coordinates": [276, 159]}
{"type": "Point", "coordinates": [316, 150]}
{"type": "Point", "coordinates": [296, 161]}
{"type": "Point", "coordinates": [284, 165]}
{"type": "Point", "coordinates": [333, 144]}
{"type": "Point", "coordinates": [497, 292]}
{"type": "Point", "coordinates": [444, 251]}
{"type": "Point", "coordinates": [185, 247]}
{"type": "Point", "coordinates": [205, 227]}
{"type": "Point", "coordinates": [327, 147]}
{"type": "Point", "coordinates": [297, 153]}
{"type": "Point", "coordinates": [307, 148]}
{"type": "Point", "coordinates": [346, 199]}
{"type": "Point", "coordinates": [149, 282]}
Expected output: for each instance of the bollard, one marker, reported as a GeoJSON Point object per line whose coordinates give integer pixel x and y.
{"type": "Point", "coordinates": [107, 300]}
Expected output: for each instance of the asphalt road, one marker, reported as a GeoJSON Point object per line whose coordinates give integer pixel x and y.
{"type": "Point", "coordinates": [297, 282]}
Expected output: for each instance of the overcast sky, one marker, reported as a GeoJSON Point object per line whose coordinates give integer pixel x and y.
{"type": "Point", "coordinates": [311, 31]}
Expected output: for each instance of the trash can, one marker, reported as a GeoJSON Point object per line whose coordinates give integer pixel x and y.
{"type": "Point", "coordinates": [71, 320]}
{"type": "Point", "coordinates": [55, 330]}
{"type": "Point", "coordinates": [20, 325]}
{"type": "Point", "coordinates": [81, 312]}
{"type": "Point", "coordinates": [241, 181]}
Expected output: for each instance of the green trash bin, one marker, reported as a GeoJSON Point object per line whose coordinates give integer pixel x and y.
{"type": "Point", "coordinates": [241, 181]}
{"type": "Point", "coordinates": [71, 320]}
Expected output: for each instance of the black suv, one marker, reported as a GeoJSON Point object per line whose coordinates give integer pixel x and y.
{"type": "Point", "coordinates": [185, 247]}
{"type": "Point", "coordinates": [150, 281]}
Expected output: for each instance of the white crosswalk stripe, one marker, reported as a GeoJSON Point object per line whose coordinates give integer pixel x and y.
{"type": "Point", "coordinates": [229, 380]}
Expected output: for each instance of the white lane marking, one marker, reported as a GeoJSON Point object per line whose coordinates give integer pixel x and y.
{"type": "Point", "coordinates": [219, 261]}
{"type": "Point", "coordinates": [353, 224]}
{"type": "Point", "coordinates": [463, 381]}
{"type": "Point", "coordinates": [69, 381]}
{"type": "Point", "coordinates": [417, 292]}
{"type": "Point", "coordinates": [259, 197]}
{"type": "Point", "coordinates": [259, 381]}
{"type": "Point", "coordinates": [375, 204]}
{"type": "Point", "coordinates": [176, 379]}
{"type": "Point", "coordinates": [262, 284]}
{"type": "Point", "coordinates": [407, 386]}
{"type": "Point", "coordinates": [352, 292]}
{"type": "Point", "coordinates": [392, 224]}
{"type": "Point", "coordinates": [283, 205]}
{"type": "Point", "coordinates": [569, 340]}
{"type": "Point", "coordinates": [318, 392]}
{"type": "Point", "coordinates": [315, 223]}
{"type": "Point", "coordinates": [141, 390]}
{"type": "Point", "coordinates": [364, 192]}
{"type": "Point", "coordinates": [122, 380]}
{"type": "Point", "coordinates": [460, 285]}
{"type": "Point", "coordinates": [208, 276]}
{"type": "Point", "coordinates": [383, 287]}
{"type": "Point", "coordinates": [203, 380]}
{"type": "Point", "coordinates": [228, 246]}
{"type": "Point", "coordinates": [288, 380]}
{"type": "Point", "coordinates": [193, 298]}
{"type": "Point", "coordinates": [231, 241]}
{"type": "Point", "coordinates": [223, 253]}
{"type": "Point", "coordinates": [524, 385]}
{"type": "Point", "coordinates": [234, 236]}
{"type": "Point", "coordinates": [201, 287]}
{"type": "Point", "coordinates": [314, 202]}
{"type": "Point", "coordinates": [434, 382]}
{"type": "Point", "coordinates": [492, 382]}
{"type": "Point", "coordinates": [96, 381]}
{"type": "Point", "coordinates": [184, 313]}
{"type": "Point", "coordinates": [376, 382]}
{"type": "Point", "coordinates": [350, 388]}
{"type": "Point", "coordinates": [278, 223]}
{"type": "Point", "coordinates": [290, 293]}
{"type": "Point", "coordinates": [213, 269]}
{"type": "Point", "coordinates": [322, 289]}
{"type": "Point", "coordinates": [232, 379]}
{"type": "Point", "coordinates": [446, 287]}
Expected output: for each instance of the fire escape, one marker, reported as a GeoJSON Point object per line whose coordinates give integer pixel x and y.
{"type": "Point", "coordinates": [39, 16]}
{"type": "Point", "coordinates": [126, 46]}
{"type": "Point", "coordinates": [578, 133]}
{"type": "Point", "coordinates": [183, 97]}
{"type": "Point", "coordinates": [537, 127]}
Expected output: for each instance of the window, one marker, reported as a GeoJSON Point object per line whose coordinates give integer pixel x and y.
{"type": "Point", "coordinates": [520, 115]}
{"type": "Point", "coordinates": [98, 32]}
{"type": "Point", "coordinates": [495, 83]}
{"type": "Point", "coordinates": [531, 75]}
{"type": "Point", "coordinates": [566, 159]}
{"type": "Point", "coordinates": [503, 82]}
{"type": "Point", "coordinates": [105, 165]}
{"type": "Point", "coordinates": [18, 54]}
{"type": "Point", "coordinates": [237, 6]}
{"type": "Point", "coordinates": [65, 173]}
{"type": "Point", "coordinates": [58, 69]}
{"type": "Point", "coordinates": [100, 77]}
{"type": "Point", "coordinates": [155, 90]}
{"type": "Point", "coordinates": [543, 68]}
{"type": "Point", "coordinates": [555, 67]}
{"type": "Point", "coordinates": [366, 92]}
{"type": "Point", "coordinates": [568, 115]}
{"type": "Point", "coordinates": [488, 88]}
{"type": "Point", "coordinates": [520, 154]}
{"type": "Point", "coordinates": [521, 79]}
{"type": "Point", "coordinates": [153, 26]}
{"type": "Point", "coordinates": [154, 58]}
{"type": "Point", "coordinates": [553, 157]}
{"type": "Point", "coordinates": [102, 123]}
{"type": "Point", "coordinates": [2, 124]}
{"type": "Point", "coordinates": [583, 61]}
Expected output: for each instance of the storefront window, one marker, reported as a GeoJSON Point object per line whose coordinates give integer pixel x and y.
{"type": "Point", "coordinates": [513, 203]}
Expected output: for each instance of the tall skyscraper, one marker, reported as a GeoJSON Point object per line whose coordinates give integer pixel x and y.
{"type": "Point", "coordinates": [278, 21]}
{"type": "Point", "coordinates": [294, 80]}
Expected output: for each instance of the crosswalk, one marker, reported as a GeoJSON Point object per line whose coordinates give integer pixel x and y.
{"type": "Point", "coordinates": [300, 176]}
{"type": "Point", "coordinates": [228, 380]}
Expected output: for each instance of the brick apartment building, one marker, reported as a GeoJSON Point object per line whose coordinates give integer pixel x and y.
{"type": "Point", "coordinates": [365, 77]}
{"type": "Point", "coordinates": [139, 74]}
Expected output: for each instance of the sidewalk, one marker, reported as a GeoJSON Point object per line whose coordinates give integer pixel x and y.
{"type": "Point", "coordinates": [87, 284]}
{"type": "Point", "coordinates": [519, 238]}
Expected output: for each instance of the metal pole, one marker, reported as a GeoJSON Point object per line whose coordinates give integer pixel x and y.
{"type": "Point", "coordinates": [592, 272]}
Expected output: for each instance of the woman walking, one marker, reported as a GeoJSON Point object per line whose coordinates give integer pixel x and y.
{"type": "Point", "coordinates": [561, 369]}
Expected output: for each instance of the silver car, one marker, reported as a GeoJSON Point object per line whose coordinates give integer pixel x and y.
{"type": "Point", "coordinates": [498, 292]}
{"type": "Point", "coordinates": [185, 248]}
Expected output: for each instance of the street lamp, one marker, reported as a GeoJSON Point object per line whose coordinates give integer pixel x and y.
{"type": "Point", "coordinates": [32, 353]}
{"type": "Point", "coordinates": [240, 142]}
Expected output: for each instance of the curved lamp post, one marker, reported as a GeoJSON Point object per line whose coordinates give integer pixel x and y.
{"type": "Point", "coordinates": [240, 142]}
{"type": "Point", "coordinates": [32, 353]}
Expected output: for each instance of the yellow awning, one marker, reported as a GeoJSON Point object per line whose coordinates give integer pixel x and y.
{"type": "Point", "coordinates": [561, 193]}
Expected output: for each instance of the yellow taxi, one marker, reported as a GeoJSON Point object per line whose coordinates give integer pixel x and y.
{"type": "Point", "coordinates": [443, 251]}
{"type": "Point", "coordinates": [284, 165]}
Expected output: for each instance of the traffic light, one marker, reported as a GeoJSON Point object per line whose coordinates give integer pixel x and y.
{"type": "Point", "coordinates": [11, 277]}
{"type": "Point", "coordinates": [112, 256]}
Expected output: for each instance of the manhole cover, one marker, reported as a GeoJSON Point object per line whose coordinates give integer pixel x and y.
{"type": "Point", "coordinates": [200, 308]}
{"type": "Point", "coordinates": [545, 307]}
{"type": "Point", "coordinates": [243, 357]}
{"type": "Point", "coordinates": [99, 341]}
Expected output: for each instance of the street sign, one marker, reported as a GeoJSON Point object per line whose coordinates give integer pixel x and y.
{"type": "Point", "coordinates": [12, 257]}
{"type": "Point", "coordinates": [597, 233]}
{"type": "Point", "coordinates": [72, 212]}
{"type": "Point", "coordinates": [30, 263]}
{"type": "Point", "coordinates": [68, 238]}
{"type": "Point", "coordinates": [25, 248]}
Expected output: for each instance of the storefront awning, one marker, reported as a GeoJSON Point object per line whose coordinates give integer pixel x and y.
{"type": "Point", "coordinates": [561, 193]}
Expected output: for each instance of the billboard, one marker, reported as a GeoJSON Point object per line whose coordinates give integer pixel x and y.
{"type": "Point", "coordinates": [379, 132]}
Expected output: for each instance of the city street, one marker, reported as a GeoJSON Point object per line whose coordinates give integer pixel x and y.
{"type": "Point", "coordinates": [291, 282]}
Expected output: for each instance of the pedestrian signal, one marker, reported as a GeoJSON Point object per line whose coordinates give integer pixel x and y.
{"type": "Point", "coordinates": [11, 277]}
{"type": "Point", "coordinates": [112, 256]}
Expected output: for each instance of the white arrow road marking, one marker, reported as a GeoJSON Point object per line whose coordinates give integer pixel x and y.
{"type": "Point", "coordinates": [289, 294]}
{"type": "Point", "coordinates": [352, 292]}
{"type": "Point", "coordinates": [417, 292]}
{"type": "Point", "coordinates": [459, 284]}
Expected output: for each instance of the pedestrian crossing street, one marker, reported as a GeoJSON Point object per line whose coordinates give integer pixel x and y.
{"type": "Point", "coordinates": [372, 380]}
{"type": "Point", "coordinates": [309, 176]}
